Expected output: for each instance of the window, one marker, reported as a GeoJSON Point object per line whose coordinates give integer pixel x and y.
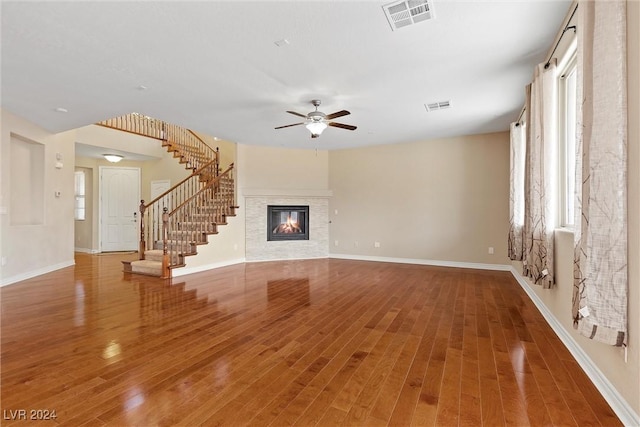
{"type": "Point", "coordinates": [567, 139]}
{"type": "Point", "coordinates": [79, 195]}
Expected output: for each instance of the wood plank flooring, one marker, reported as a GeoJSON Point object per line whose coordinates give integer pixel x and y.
{"type": "Point", "coordinates": [318, 342]}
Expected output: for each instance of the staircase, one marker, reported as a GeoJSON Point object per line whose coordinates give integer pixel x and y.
{"type": "Point", "coordinates": [175, 223]}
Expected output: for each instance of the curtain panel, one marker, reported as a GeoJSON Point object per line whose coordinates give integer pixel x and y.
{"type": "Point", "coordinates": [540, 176]}
{"type": "Point", "coordinates": [516, 191]}
{"type": "Point", "coordinates": [600, 265]}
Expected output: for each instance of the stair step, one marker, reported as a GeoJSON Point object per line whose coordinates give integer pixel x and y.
{"type": "Point", "coordinates": [201, 226]}
{"type": "Point", "coordinates": [182, 248]}
{"type": "Point", "coordinates": [184, 232]}
{"type": "Point", "coordinates": [153, 255]}
{"type": "Point", "coordinates": [146, 267]}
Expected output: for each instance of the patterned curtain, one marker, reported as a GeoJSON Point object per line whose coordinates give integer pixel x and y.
{"type": "Point", "coordinates": [516, 191]}
{"type": "Point", "coordinates": [540, 176]}
{"type": "Point", "coordinates": [600, 267]}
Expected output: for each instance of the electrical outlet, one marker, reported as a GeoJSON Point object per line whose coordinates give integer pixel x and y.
{"type": "Point", "coordinates": [490, 250]}
{"type": "Point", "coordinates": [376, 244]}
{"type": "Point", "coordinates": [335, 243]}
{"type": "Point", "coordinates": [4, 261]}
{"type": "Point", "coordinates": [355, 244]}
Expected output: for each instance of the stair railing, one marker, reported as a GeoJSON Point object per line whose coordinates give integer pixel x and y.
{"type": "Point", "coordinates": [189, 223]}
{"type": "Point", "coordinates": [191, 149]}
{"type": "Point", "coordinates": [151, 233]}
{"type": "Point", "coordinates": [181, 218]}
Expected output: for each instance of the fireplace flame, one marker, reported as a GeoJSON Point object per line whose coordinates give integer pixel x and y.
{"type": "Point", "coordinates": [288, 227]}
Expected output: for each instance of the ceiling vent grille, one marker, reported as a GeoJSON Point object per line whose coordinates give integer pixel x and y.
{"type": "Point", "coordinates": [437, 105]}
{"type": "Point", "coordinates": [407, 12]}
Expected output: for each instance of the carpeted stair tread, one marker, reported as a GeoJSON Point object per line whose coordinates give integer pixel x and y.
{"type": "Point", "coordinates": [153, 255]}
{"type": "Point", "coordinates": [144, 266]}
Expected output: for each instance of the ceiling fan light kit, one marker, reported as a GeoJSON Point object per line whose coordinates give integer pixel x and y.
{"type": "Point", "coordinates": [317, 121]}
{"type": "Point", "coordinates": [315, 128]}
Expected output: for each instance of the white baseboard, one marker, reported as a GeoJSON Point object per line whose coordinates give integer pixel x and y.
{"type": "Point", "coordinates": [286, 259]}
{"type": "Point", "coordinates": [455, 264]}
{"type": "Point", "coordinates": [190, 270]}
{"type": "Point", "coordinates": [34, 273]}
{"type": "Point", "coordinates": [86, 250]}
{"type": "Point", "coordinates": [619, 405]}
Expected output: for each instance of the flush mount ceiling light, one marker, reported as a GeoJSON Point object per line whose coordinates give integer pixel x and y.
{"type": "Point", "coordinates": [113, 158]}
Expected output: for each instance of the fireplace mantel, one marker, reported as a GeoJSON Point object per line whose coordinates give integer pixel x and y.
{"type": "Point", "coordinates": [286, 192]}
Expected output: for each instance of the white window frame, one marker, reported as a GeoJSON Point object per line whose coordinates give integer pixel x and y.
{"type": "Point", "coordinates": [567, 110]}
{"type": "Point", "coordinates": [80, 190]}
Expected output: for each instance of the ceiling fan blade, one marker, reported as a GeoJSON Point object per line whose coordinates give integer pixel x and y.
{"type": "Point", "coordinates": [287, 126]}
{"type": "Point", "coordinates": [337, 114]}
{"type": "Point", "coordinates": [297, 114]}
{"type": "Point", "coordinates": [342, 126]}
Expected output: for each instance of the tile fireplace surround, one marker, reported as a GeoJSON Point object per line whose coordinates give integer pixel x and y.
{"type": "Point", "coordinates": [259, 249]}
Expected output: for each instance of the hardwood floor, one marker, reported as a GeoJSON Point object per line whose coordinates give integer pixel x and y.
{"type": "Point", "coordinates": [318, 342]}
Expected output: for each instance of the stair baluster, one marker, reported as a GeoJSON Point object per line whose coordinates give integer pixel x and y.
{"type": "Point", "coordinates": [175, 222]}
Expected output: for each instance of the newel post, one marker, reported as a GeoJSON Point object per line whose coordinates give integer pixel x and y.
{"type": "Point", "coordinates": [217, 165]}
{"type": "Point", "coordinates": [165, 238]}
{"type": "Point", "coordinates": [142, 245]}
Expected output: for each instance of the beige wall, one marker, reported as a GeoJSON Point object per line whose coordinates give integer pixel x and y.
{"type": "Point", "coordinates": [281, 168]}
{"type": "Point", "coordinates": [30, 250]}
{"type": "Point", "coordinates": [439, 200]}
{"type": "Point", "coordinates": [624, 376]}
{"type": "Point", "coordinates": [227, 148]}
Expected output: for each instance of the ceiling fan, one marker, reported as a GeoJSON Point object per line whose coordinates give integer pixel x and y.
{"type": "Point", "coordinates": [318, 121]}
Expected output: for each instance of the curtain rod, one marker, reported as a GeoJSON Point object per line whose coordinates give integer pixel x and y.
{"type": "Point", "coordinates": [566, 28]}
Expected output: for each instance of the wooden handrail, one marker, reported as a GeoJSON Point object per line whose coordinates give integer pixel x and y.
{"type": "Point", "coordinates": [201, 140]}
{"type": "Point", "coordinates": [176, 137]}
{"type": "Point", "coordinates": [197, 172]}
{"type": "Point", "coordinates": [198, 216]}
{"type": "Point", "coordinates": [208, 185]}
{"type": "Point", "coordinates": [182, 216]}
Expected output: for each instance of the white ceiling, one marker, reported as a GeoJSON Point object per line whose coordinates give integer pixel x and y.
{"type": "Point", "coordinates": [214, 66]}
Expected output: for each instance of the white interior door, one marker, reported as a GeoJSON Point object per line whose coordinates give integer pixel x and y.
{"type": "Point", "coordinates": [119, 208]}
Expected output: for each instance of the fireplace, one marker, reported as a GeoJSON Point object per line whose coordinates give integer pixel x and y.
{"type": "Point", "coordinates": [287, 222]}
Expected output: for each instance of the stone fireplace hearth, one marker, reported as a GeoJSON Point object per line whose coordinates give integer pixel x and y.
{"type": "Point", "coordinates": [260, 246]}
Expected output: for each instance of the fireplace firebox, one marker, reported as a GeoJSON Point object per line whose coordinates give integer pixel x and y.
{"type": "Point", "coordinates": [287, 222]}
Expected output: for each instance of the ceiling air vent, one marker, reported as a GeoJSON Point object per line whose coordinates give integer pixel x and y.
{"type": "Point", "coordinates": [437, 105]}
{"type": "Point", "coordinates": [408, 12]}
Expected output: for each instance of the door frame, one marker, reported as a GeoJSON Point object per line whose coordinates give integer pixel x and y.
{"type": "Point", "coordinates": [100, 194]}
